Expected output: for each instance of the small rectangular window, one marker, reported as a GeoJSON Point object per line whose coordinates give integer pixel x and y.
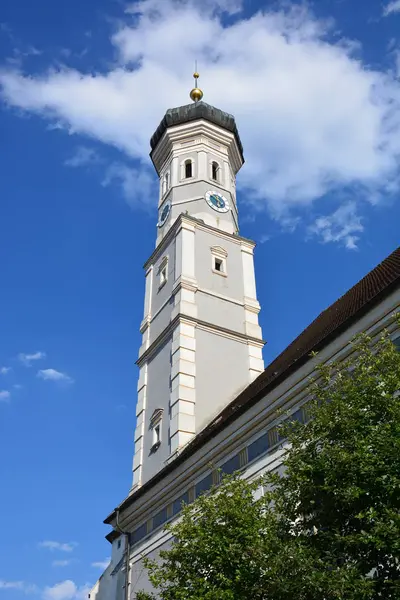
{"type": "Point", "coordinates": [231, 465]}
{"type": "Point", "coordinates": [160, 518]}
{"type": "Point", "coordinates": [396, 342]}
{"type": "Point", "coordinates": [177, 504]}
{"type": "Point", "coordinates": [138, 534]}
{"type": "Point", "coordinates": [119, 544]}
{"type": "Point", "coordinates": [218, 264]}
{"type": "Point", "coordinates": [204, 485]}
{"type": "Point", "coordinates": [258, 447]}
{"type": "Point", "coordinates": [156, 434]}
{"type": "Point", "coordinates": [298, 416]}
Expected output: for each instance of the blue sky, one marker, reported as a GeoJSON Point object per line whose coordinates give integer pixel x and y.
{"type": "Point", "coordinates": [316, 93]}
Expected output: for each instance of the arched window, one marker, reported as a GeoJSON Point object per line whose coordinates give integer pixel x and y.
{"type": "Point", "coordinates": [214, 170]}
{"type": "Point", "coordinates": [166, 182]}
{"type": "Point", "coordinates": [188, 168]}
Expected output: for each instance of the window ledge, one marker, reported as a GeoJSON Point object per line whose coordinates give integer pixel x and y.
{"type": "Point", "coordinates": [219, 273]}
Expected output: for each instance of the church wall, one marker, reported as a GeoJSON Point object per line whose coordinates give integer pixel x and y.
{"type": "Point", "coordinates": [110, 584]}
{"type": "Point", "coordinates": [221, 373]}
{"type": "Point", "coordinates": [157, 396]}
{"type": "Point", "coordinates": [232, 284]}
{"type": "Point", "coordinates": [161, 301]}
{"type": "Point", "coordinates": [189, 189]}
{"type": "Point", "coordinates": [226, 314]}
{"type": "Point", "coordinates": [139, 580]}
{"type": "Point", "coordinates": [190, 197]}
{"type": "Point", "coordinates": [161, 294]}
{"type": "Point", "coordinates": [162, 320]}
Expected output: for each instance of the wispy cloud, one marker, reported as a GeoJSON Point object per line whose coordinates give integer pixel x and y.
{"type": "Point", "coordinates": [392, 7]}
{"type": "Point", "coordinates": [28, 359]}
{"type": "Point", "coordinates": [83, 157]}
{"type": "Point", "coordinates": [264, 237]}
{"type": "Point", "coordinates": [4, 370]}
{"type": "Point", "coordinates": [53, 375]}
{"type": "Point", "coordinates": [136, 184]}
{"type": "Point", "coordinates": [61, 563]}
{"type": "Point", "coordinates": [101, 564]}
{"type": "Point", "coordinates": [5, 396]}
{"type": "Point", "coordinates": [61, 546]}
{"type": "Point", "coordinates": [341, 226]}
{"type": "Point", "coordinates": [21, 586]}
{"type": "Point", "coordinates": [66, 590]}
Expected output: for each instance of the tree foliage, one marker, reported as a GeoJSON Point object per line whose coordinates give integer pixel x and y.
{"type": "Point", "coordinates": [329, 528]}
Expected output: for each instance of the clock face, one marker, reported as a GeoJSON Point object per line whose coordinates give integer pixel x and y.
{"type": "Point", "coordinates": [164, 214]}
{"type": "Point", "coordinates": [217, 201]}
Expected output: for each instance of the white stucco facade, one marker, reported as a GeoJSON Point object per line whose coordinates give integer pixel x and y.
{"type": "Point", "coordinates": [201, 340]}
{"type": "Point", "coordinates": [202, 349]}
{"type": "Point", "coordinates": [111, 584]}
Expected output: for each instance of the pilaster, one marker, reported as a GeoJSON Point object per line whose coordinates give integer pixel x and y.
{"type": "Point", "coordinates": [140, 426]}
{"type": "Point", "coordinates": [183, 386]}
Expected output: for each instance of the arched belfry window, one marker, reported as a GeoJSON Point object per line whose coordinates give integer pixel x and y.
{"type": "Point", "coordinates": [165, 183]}
{"type": "Point", "coordinates": [214, 170]}
{"type": "Point", "coordinates": [188, 168]}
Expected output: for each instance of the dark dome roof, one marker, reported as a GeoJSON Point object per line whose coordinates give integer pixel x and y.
{"type": "Point", "coordinates": [192, 112]}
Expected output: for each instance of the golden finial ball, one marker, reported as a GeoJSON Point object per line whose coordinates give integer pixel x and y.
{"type": "Point", "coordinates": [196, 75]}
{"type": "Point", "coordinates": [196, 94]}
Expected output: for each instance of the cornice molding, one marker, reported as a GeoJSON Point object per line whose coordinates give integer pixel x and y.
{"type": "Point", "coordinates": [199, 324]}
{"type": "Point", "coordinates": [186, 283]}
{"type": "Point", "coordinates": [237, 239]}
{"type": "Point", "coordinates": [178, 134]}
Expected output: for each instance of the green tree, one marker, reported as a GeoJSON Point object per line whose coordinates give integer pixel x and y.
{"type": "Point", "coordinates": [329, 528]}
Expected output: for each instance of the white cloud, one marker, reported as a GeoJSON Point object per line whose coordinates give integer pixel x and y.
{"type": "Point", "coordinates": [4, 370]}
{"type": "Point", "coordinates": [83, 157]}
{"type": "Point", "coordinates": [27, 359]}
{"type": "Point", "coordinates": [62, 546]}
{"type": "Point", "coordinates": [61, 563]}
{"type": "Point", "coordinates": [392, 7]}
{"type": "Point", "coordinates": [133, 182]}
{"type": "Point", "coordinates": [312, 117]}
{"type": "Point", "coordinates": [66, 590]}
{"type": "Point", "coordinates": [101, 564]}
{"type": "Point", "coordinates": [21, 586]}
{"type": "Point", "coordinates": [341, 226]}
{"type": "Point", "coordinates": [53, 375]}
{"type": "Point", "coordinates": [5, 396]}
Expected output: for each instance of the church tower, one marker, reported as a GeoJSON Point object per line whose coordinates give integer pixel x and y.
{"type": "Point", "coordinates": [201, 341]}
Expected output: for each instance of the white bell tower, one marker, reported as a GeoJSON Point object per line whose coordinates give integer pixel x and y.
{"type": "Point", "coordinates": [202, 343]}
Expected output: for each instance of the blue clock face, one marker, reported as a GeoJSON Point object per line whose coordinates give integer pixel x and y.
{"type": "Point", "coordinates": [217, 201]}
{"type": "Point", "coordinates": [164, 214]}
